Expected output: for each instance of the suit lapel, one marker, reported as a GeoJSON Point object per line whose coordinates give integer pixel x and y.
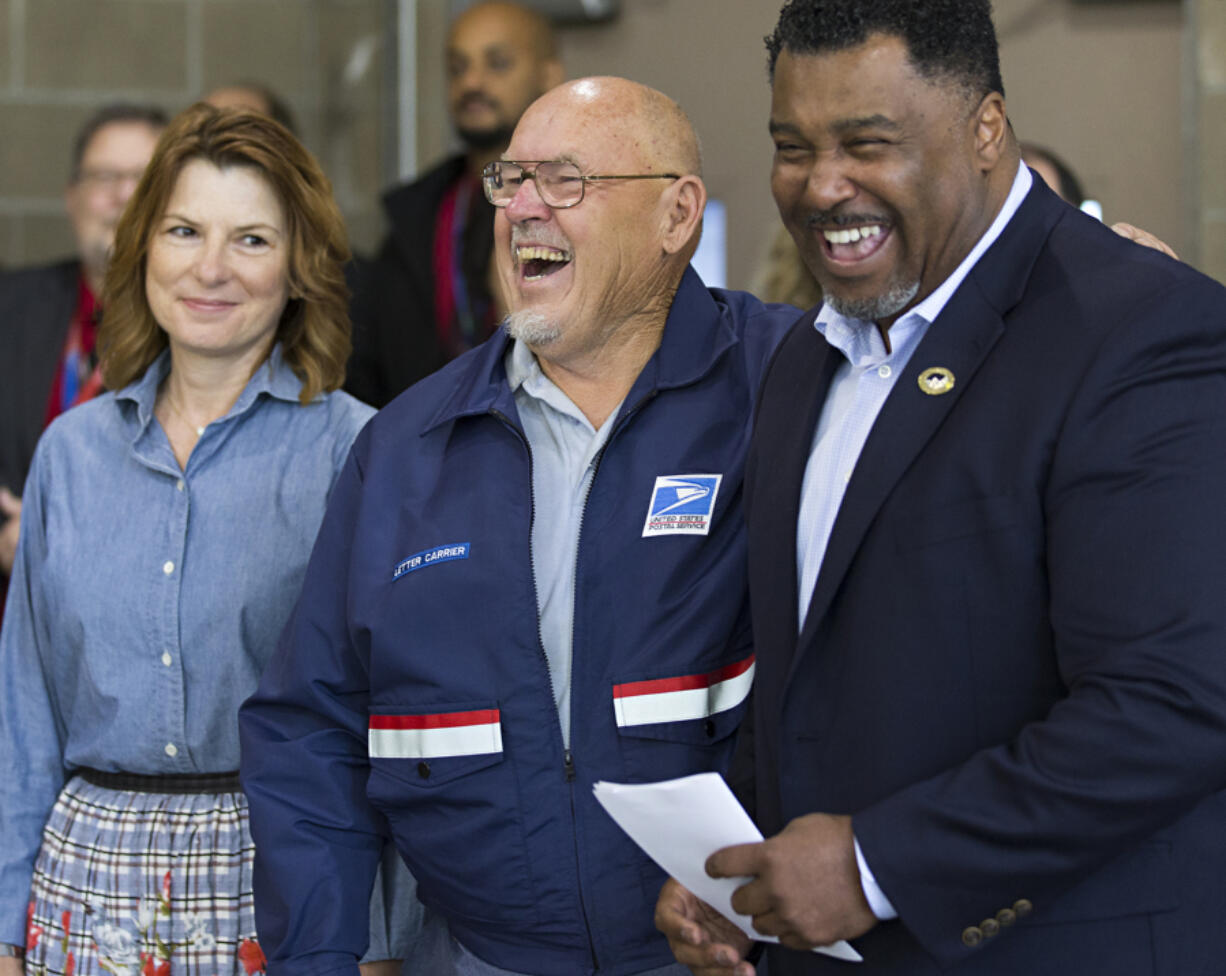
{"type": "Point", "coordinates": [791, 402]}
{"type": "Point", "coordinates": [958, 342]}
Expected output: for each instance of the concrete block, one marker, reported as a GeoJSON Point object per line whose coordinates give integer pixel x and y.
{"type": "Point", "coordinates": [268, 42]}
{"type": "Point", "coordinates": [47, 239]}
{"type": "Point", "coordinates": [126, 44]}
{"type": "Point", "coordinates": [1212, 150]}
{"type": "Point", "coordinates": [36, 149]}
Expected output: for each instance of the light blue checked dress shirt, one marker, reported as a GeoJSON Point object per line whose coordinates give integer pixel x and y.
{"type": "Point", "coordinates": [857, 392]}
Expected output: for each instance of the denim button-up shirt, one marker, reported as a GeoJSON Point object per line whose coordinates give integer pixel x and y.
{"type": "Point", "coordinates": [146, 599]}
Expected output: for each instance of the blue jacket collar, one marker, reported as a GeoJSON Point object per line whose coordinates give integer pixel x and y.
{"type": "Point", "coordinates": [697, 333]}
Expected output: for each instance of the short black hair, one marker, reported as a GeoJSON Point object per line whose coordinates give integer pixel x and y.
{"type": "Point", "coordinates": [954, 39]}
{"type": "Point", "coordinates": [150, 115]}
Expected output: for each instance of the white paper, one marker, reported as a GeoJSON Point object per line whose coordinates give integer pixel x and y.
{"type": "Point", "coordinates": [682, 822]}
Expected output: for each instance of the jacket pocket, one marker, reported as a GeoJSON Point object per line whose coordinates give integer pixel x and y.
{"type": "Point", "coordinates": [439, 775]}
{"type": "Point", "coordinates": [431, 748]}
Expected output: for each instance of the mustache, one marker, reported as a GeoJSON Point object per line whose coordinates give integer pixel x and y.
{"type": "Point", "coordinates": [544, 235]}
{"type": "Point", "coordinates": [826, 219]}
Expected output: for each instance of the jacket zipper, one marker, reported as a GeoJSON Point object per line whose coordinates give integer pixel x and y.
{"type": "Point", "coordinates": [568, 760]}
{"type": "Point", "coordinates": [568, 757]}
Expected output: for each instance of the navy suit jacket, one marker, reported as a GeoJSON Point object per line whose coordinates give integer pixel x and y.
{"type": "Point", "coordinates": [1013, 670]}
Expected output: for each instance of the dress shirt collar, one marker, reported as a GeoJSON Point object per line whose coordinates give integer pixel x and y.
{"type": "Point", "coordinates": [524, 374]}
{"type": "Point", "coordinates": [521, 364]}
{"type": "Point", "coordinates": [857, 338]}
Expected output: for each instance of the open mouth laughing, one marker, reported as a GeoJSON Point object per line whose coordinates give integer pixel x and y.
{"type": "Point", "coordinates": [537, 261]}
{"type": "Point", "coordinates": [848, 244]}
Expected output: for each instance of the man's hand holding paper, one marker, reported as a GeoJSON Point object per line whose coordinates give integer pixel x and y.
{"type": "Point", "coordinates": [696, 831]}
{"type": "Point", "coordinates": [806, 889]}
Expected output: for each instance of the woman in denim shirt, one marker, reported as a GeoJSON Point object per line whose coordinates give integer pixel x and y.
{"type": "Point", "coordinates": [165, 533]}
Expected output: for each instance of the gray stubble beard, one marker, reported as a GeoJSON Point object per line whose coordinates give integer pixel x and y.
{"type": "Point", "coordinates": [532, 328]}
{"type": "Point", "coordinates": [882, 306]}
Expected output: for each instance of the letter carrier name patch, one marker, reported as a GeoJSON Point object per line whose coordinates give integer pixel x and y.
{"type": "Point", "coordinates": [429, 557]}
{"type": "Point", "coordinates": [681, 504]}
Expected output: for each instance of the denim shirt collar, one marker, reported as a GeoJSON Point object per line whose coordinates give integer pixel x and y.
{"type": "Point", "coordinates": [273, 377]}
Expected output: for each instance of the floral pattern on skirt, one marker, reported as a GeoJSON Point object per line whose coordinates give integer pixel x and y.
{"type": "Point", "coordinates": [143, 884]}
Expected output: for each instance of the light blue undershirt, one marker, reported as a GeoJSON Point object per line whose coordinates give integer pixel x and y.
{"type": "Point", "coordinates": [857, 392]}
{"type": "Point", "coordinates": [564, 447]}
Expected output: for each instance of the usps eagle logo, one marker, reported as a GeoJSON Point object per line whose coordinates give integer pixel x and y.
{"type": "Point", "coordinates": [681, 504]}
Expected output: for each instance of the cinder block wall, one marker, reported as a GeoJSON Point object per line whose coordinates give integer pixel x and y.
{"type": "Point", "coordinates": [61, 59]}
{"type": "Point", "coordinates": [1206, 133]}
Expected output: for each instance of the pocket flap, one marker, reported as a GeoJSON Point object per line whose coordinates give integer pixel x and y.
{"type": "Point", "coordinates": [437, 734]}
{"type": "Point", "coordinates": [692, 707]}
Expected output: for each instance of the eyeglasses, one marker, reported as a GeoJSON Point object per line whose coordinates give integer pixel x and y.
{"type": "Point", "coordinates": [560, 184]}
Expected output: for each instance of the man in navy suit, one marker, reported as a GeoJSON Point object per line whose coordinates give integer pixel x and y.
{"type": "Point", "coordinates": [987, 546]}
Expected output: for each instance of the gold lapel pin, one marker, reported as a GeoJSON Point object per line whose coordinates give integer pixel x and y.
{"type": "Point", "coordinates": [936, 380]}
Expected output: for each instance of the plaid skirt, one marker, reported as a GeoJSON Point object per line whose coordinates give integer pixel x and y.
{"type": "Point", "coordinates": [143, 884]}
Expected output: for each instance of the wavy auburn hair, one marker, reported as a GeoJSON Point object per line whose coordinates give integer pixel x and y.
{"type": "Point", "coordinates": [314, 328]}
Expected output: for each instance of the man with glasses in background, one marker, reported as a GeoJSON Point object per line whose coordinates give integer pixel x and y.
{"type": "Point", "coordinates": [531, 577]}
{"type": "Point", "coordinates": [49, 314]}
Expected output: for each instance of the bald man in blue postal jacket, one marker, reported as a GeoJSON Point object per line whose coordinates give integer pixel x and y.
{"type": "Point", "coordinates": [987, 549]}
{"type": "Point", "coordinates": [532, 577]}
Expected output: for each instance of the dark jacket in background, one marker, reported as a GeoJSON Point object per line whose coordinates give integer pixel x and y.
{"type": "Point", "coordinates": [36, 306]}
{"type": "Point", "coordinates": [395, 338]}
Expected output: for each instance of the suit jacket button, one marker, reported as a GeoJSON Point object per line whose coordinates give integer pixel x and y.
{"type": "Point", "coordinates": [709, 728]}
{"type": "Point", "coordinates": [972, 935]}
{"type": "Point", "coordinates": [1023, 907]}
{"type": "Point", "coordinates": [423, 769]}
{"type": "Point", "coordinates": [1006, 916]}
{"type": "Point", "coordinates": [989, 927]}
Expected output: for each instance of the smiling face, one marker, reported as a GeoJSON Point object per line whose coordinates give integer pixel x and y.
{"type": "Point", "coordinates": [217, 271]}
{"type": "Point", "coordinates": [573, 277]}
{"type": "Point", "coordinates": [884, 178]}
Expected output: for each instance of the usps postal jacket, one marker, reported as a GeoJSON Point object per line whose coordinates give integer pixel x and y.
{"type": "Point", "coordinates": [411, 685]}
{"type": "Point", "coordinates": [1013, 670]}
